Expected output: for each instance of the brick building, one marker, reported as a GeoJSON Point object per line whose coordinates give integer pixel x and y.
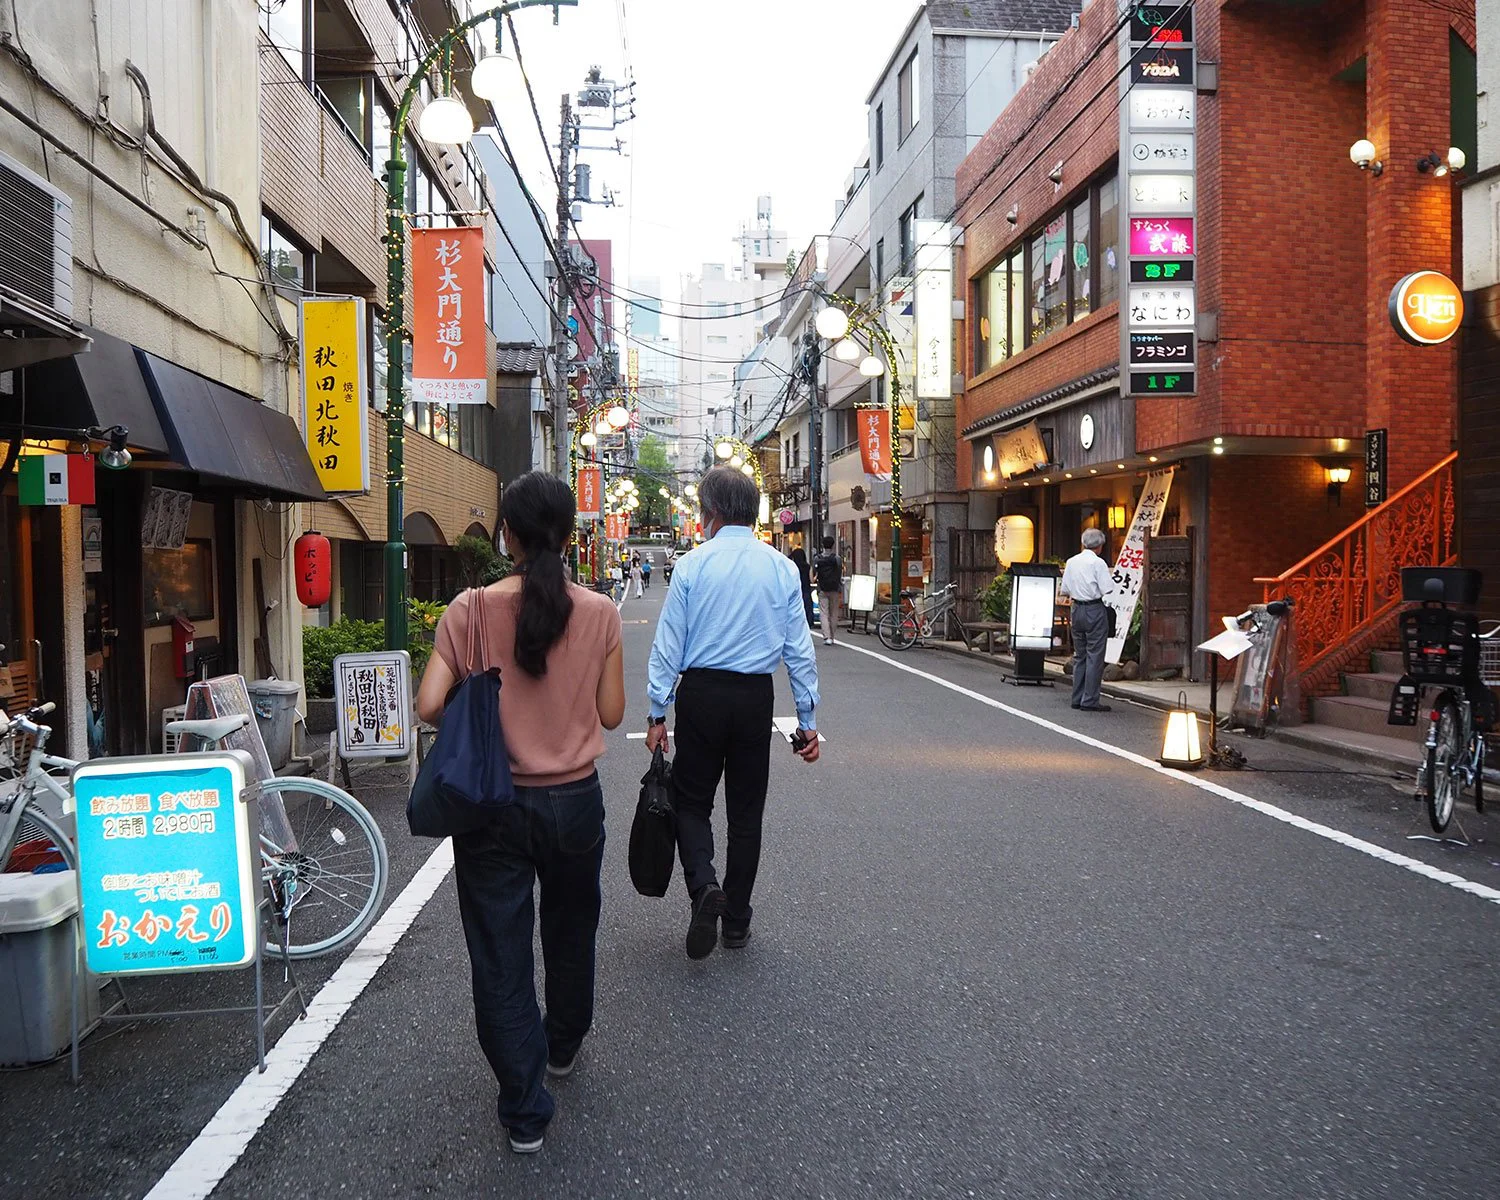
{"type": "Point", "coordinates": [1287, 253]}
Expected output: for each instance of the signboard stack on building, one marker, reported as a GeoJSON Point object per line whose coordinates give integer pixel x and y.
{"type": "Point", "coordinates": [1159, 153]}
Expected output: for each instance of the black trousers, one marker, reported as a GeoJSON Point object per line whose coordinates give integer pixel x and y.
{"type": "Point", "coordinates": [723, 729]}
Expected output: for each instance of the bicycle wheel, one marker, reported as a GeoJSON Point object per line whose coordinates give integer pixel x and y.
{"type": "Point", "coordinates": [1443, 783]}
{"type": "Point", "coordinates": [39, 841]}
{"type": "Point", "coordinates": [328, 891]}
{"type": "Point", "coordinates": [896, 631]}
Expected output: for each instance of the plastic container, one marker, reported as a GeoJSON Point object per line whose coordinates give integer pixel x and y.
{"type": "Point", "coordinates": [275, 705]}
{"type": "Point", "coordinates": [36, 967]}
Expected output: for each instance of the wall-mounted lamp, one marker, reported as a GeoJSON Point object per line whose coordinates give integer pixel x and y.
{"type": "Point", "coordinates": [1362, 155]}
{"type": "Point", "coordinates": [989, 464]}
{"type": "Point", "coordinates": [115, 456]}
{"type": "Point", "coordinates": [1115, 516]}
{"type": "Point", "coordinates": [1014, 214]}
{"type": "Point", "coordinates": [1055, 175]}
{"type": "Point", "coordinates": [1337, 476]}
{"type": "Point", "coordinates": [1453, 161]}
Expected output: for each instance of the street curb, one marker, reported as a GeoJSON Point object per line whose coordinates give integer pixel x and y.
{"type": "Point", "coordinates": [1292, 736]}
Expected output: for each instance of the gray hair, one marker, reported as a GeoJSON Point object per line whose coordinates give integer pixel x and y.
{"type": "Point", "coordinates": [1093, 539]}
{"type": "Point", "coordinates": [729, 495]}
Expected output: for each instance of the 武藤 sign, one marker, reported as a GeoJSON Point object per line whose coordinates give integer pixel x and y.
{"type": "Point", "coordinates": [1126, 576]}
{"type": "Point", "coordinates": [331, 342]}
{"type": "Point", "coordinates": [874, 425]}
{"type": "Point", "coordinates": [448, 329]}
{"type": "Point", "coordinates": [168, 866]}
{"type": "Point", "coordinates": [372, 699]}
{"type": "Point", "coordinates": [1161, 237]}
{"type": "Point", "coordinates": [590, 487]}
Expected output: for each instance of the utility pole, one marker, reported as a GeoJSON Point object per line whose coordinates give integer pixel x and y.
{"type": "Point", "coordinates": [561, 436]}
{"type": "Point", "coordinates": [812, 358]}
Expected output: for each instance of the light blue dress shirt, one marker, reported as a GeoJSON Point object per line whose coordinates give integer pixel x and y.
{"type": "Point", "coordinates": [735, 604]}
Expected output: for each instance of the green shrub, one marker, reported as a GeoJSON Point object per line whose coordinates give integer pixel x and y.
{"type": "Point", "coordinates": [996, 599]}
{"type": "Point", "coordinates": [321, 644]}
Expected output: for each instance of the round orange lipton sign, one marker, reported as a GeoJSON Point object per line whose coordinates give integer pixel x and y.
{"type": "Point", "coordinates": [1426, 308]}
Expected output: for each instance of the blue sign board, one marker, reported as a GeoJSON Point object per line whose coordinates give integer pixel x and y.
{"type": "Point", "coordinates": [169, 871]}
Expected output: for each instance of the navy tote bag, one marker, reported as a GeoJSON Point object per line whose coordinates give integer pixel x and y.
{"type": "Point", "coordinates": [465, 779]}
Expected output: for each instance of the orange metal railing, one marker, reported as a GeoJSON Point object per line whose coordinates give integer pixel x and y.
{"type": "Point", "coordinates": [1346, 587]}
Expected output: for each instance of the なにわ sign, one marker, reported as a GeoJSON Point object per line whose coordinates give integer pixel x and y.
{"type": "Point", "coordinates": [1426, 308]}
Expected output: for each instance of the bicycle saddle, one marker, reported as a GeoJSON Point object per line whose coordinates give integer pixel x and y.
{"type": "Point", "coordinates": [214, 729]}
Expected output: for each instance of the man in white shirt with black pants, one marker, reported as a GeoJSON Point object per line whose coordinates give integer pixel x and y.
{"type": "Point", "coordinates": [1086, 580]}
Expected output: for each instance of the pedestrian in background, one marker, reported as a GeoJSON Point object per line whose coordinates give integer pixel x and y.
{"type": "Point", "coordinates": [558, 649]}
{"type": "Point", "coordinates": [635, 573]}
{"type": "Point", "coordinates": [617, 582]}
{"type": "Point", "coordinates": [647, 564]}
{"type": "Point", "coordinates": [829, 569]}
{"type": "Point", "coordinates": [1087, 581]}
{"type": "Point", "coordinates": [804, 577]}
{"type": "Point", "coordinates": [734, 612]}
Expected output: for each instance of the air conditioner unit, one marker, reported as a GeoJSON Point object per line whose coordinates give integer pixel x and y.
{"type": "Point", "coordinates": [36, 238]}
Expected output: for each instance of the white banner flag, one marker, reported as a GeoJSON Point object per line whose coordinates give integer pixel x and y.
{"type": "Point", "coordinates": [1122, 597]}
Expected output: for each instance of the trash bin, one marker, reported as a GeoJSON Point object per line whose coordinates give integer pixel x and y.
{"type": "Point", "coordinates": [36, 967]}
{"type": "Point", "coordinates": [275, 705]}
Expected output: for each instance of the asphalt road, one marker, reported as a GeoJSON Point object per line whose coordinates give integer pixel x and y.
{"type": "Point", "coordinates": [989, 960]}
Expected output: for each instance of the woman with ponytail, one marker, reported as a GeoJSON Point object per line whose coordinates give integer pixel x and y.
{"type": "Point", "coordinates": [562, 682]}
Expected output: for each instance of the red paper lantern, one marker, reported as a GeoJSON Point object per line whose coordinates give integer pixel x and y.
{"type": "Point", "coordinates": [313, 559]}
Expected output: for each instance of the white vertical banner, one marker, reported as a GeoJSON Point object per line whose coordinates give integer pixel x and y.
{"type": "Point", "coordinates": [934, 310]}
{"type": "Point", "coordinates": [1126, 589]}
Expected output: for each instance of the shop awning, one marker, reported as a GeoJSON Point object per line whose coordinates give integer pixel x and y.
{"type": "Point", "coordinates": [227, 436]}
{"type": "Point", "coordinates": [102, 387]}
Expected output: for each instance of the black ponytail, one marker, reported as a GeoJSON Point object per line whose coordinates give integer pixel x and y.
{"type": "Point", "coordinates": [539, 513]}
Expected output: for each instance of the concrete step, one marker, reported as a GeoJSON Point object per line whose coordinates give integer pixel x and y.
{"type": "Point", "coordinates": [1387, 662]}
{"type": "Point", "coordinates": [1371, 686]}
{"type": "Point", "coordinates": [1361, 714]}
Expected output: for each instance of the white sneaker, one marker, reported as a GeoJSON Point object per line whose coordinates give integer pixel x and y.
{"type": "Point", "coordinates": [827, 641]}
{"type": "Point", "coordinates": [526, 1145]}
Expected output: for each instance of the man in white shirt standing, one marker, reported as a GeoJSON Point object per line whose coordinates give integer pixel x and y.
{"type": "Point", "coordinates": [1086, 580]}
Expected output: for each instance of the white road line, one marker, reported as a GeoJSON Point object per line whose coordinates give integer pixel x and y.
{"type": "Point", "coordinates": [199, 1168]}
{"type": "Point", "coordinates": [1413, 865]}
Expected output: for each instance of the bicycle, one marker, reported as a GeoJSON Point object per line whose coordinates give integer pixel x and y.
{"type": "Point", "coordinates": [326, 885]}
{"type": "Point", "coordinates": [904, 627]}
{"type": "Point", "coordinates": [1455, 653]}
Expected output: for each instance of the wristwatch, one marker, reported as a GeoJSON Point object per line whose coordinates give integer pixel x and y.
{"type": "Point", "coordinates": [653, 721]}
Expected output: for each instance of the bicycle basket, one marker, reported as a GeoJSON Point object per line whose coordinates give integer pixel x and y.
{"type": "Point", "coordinates": [1489, 661]}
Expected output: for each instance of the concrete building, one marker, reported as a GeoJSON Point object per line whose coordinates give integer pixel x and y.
{"type": "Point", "coordinates": [132, 294]}
{"type": "Point", "coordinates": [658, 374]}
{"type": "Point", "coordinates": [723, 312]}
{"type": "Point", "coordinates": [331, 76]}
{"type": "Point", "coordinates": [645, 306]}
{"type": "Point", "coordinates": [953, 71]}
{"type": "Point", "coordinates": [1285, 379]}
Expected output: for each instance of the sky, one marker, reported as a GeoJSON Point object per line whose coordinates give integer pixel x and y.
{"type": "Point", "coordinates": [733, 101]}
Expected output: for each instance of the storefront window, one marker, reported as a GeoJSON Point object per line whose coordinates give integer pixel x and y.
{"type": "Point", "coordinates": [1036, 326]}
{"type": "Point", "coordinates": [1109, 236]}
{"type": "Point", "coordinates": [179, 583]}
{"type": "Point", "coordinates": [1061, 273]}
{"type": "Point", "coordinates": [1080, 259]}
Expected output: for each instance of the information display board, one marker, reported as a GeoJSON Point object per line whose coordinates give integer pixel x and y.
{"type": "Point", "coordinates": [372, 695]}
{"type": "Point", "coordinates": [168, 863]}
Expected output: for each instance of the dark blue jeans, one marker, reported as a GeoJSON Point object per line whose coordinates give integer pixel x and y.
{"type": "Point", "coordinates": [554, 836]}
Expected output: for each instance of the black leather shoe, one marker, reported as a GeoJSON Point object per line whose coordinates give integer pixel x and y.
{"type": "Point", "coordinates": [703, 929]}
{"type": "Point", "coordinates": [1076, 706]}
{"type": "Point", "coordinates": [735, 939]}
{"type": "Point", "coordinates": [1094, 707]}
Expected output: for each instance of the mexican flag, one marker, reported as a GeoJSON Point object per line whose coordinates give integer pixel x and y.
{"type": "Point", "coordinates": [56, 479]}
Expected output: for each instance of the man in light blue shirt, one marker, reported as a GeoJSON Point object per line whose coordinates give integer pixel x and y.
{"type": "Point", "coordinates": [734, 612]}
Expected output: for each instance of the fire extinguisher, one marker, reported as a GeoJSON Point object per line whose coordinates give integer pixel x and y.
{"type": "Point", "coordinates": [313, 556]}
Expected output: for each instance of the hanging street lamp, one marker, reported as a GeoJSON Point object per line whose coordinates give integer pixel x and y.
{"type": "Point", "coordinates": [444, 121]}
{"type": "Point", "coordinates": [847, 323]}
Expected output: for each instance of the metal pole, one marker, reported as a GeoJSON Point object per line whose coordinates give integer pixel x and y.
{"type": "Point", "coordinates": [564, 292]}
{"type": "Point", "coordinates": [813, 360]}
{"type": "Point", "coordinates": [395, 315]}
{"type": "Point", "coordinates": [890, 358]}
